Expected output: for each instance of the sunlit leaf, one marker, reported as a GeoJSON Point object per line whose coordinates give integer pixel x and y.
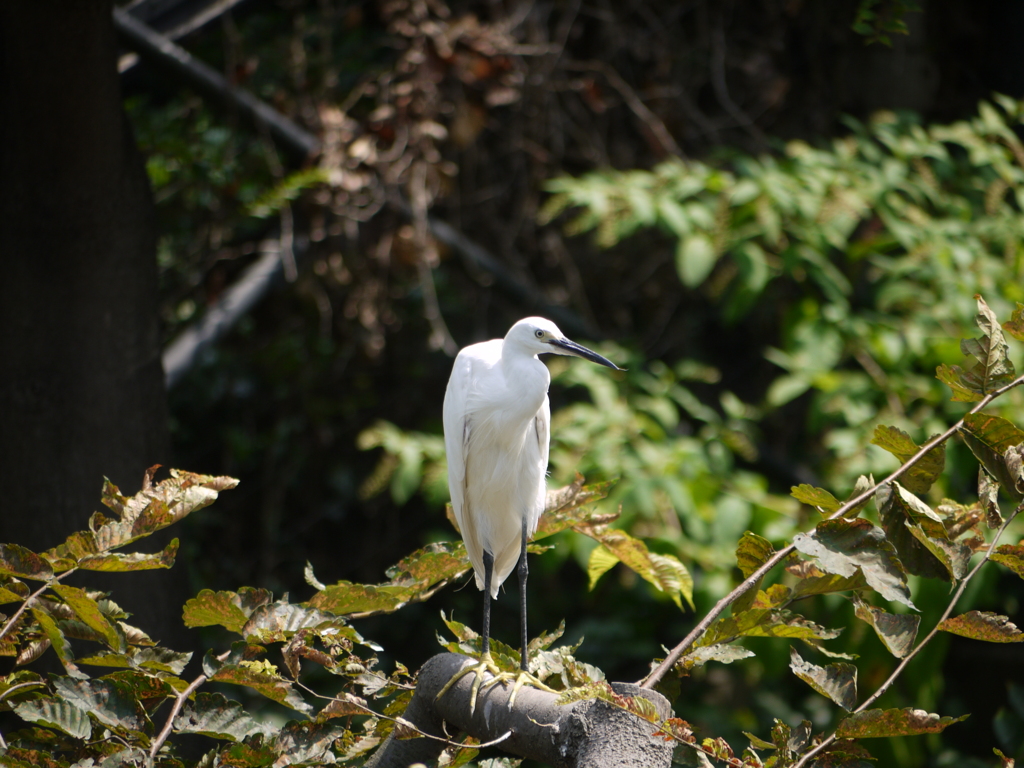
{"type": "Point", "coordinates": [835, 681]}
{"type": "Point", "coordinates": [923, 474]}
{"type": "Point", "coordinates": [1015, 325]}
{"type": "Point", "coordinates": [23, 563]}
{"type": "Point", "coordinates": [665, 572]}
{"type": "Point", "coordinates": [896, 631]}
{"type": "Point", "coordinates": [695, 258]}
{"type": "Point", "coordinates": [765, 622]}
{"type": "Point", "coordinates": [59, 642]}
{"type": "Point", "coordinates": [845, 546]}
{"type": "Point", "coordinates": [109, 701]}
{"type": "Point", "coordinates": [347, 598]}
{"type": "Point", "coordinates": [1012, 556]}
{"type": "Point", "coordinates": [55, 713]}
{"type": "Point", "coordinates": [89, 612]}
{"type": "Point", "coordinates": [228, 609]}
{"type": "Point", "coordinates": [982, 625]}
{"type": "Point", "coordinates": [883, 723]}
{"type": "Point", "coordinates": [908, 521]}
{"type": "Point", "coordinates": [214, 715]}
{"type": "Point", "coordinates": [724, 653]}
{"type": "Point", "coordinates": [989, 437]}
{"type": "Point", "coordinates": [272, 686]}
{"type": "Point", "coordinates": [815, 497]}
{"type": "Point", "coordinates": [132, 561]}
{"type": "Point", "coordinates": [991, 367]}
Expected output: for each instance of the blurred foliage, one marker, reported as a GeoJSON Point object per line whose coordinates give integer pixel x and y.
{"type": "Point", "coordinates": [466, 109]}
{"type": "Point", "coordinates": [871, 244]}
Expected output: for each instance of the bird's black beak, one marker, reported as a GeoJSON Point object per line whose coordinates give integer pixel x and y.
{"type": "Point", "coordinates": [567, 347]}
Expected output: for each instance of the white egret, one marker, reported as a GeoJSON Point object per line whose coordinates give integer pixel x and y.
{"type": "Point", "coordinates": [496, 435]}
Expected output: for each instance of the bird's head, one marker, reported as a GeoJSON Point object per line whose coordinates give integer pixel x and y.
{"type": "Point", "coordinates": [539, 336]}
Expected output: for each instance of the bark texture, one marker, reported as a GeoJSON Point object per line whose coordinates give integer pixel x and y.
{"type": "Point", "coordinates": [587, 733]}
{"type": "Point", "coordinates": [81, 387]}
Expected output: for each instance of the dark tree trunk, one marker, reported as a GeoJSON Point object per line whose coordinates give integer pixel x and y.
{"type": "Point", "coordinates": [81, 386]}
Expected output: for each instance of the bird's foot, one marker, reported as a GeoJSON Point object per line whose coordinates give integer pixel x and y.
{"type": "Point", "coordinates": [525, 677]}
{"type": "Point", "coordinates": [486, 666]}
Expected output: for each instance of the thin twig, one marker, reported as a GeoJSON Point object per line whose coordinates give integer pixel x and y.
{"type": "Point", "coordinates": [676, 653]}
{"type": "Point", "coordinates": [652, 121]}
{"type": "Point", "coordinates": [179, 702]}
{"type": "Point", "coordinates": [935, 630]}
{"type": "Point", "coordinates": [31, 599]}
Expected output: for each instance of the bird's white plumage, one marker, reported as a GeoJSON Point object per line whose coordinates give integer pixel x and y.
{"type": "Point", "coordinates": [496, 427]}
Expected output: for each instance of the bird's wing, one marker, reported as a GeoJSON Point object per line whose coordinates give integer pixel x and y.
{"type": "Point", "coordinates": [456, 440]}
{"type": "Point", "coordinates": [542, 430]}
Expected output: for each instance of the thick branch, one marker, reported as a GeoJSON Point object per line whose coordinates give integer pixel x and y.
{"type": "Point", "coordinates": [218, 319]}
{"type": "Point", "coordinates": [154, 46]}
{"type": "Point", "coordinates": [586, 733]}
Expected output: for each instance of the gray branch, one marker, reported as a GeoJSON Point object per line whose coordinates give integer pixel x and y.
{"type": "Point", "coordinates": [589, 733]}
{"type": "Point", "coordinates": [153, 46]}
{"type": "Point", "coordinates": [218, 319]}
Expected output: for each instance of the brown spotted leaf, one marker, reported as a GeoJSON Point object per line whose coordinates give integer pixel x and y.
{"type": "Point", "coordinates": [883, 723]}
{"type": "Point", "coordinates": [896, 631]}
{"type": "Point", "coordinates": [22, 563]}
{"type": "Point", "coordinates": [835, 681]}
{"type": "Point", "coordinates": [228, 609]}
{"type": "Point", "coordinates": [898, 511]}
{"type": "Point", "coordinates": [989, 437]}
{"type": "Point", "coordinates": [1012, 556]}
{"type": "Point", "coordinates": [983, 625]}
{"type": "Point", "coordinates": [844, 547]}
{"type": "Point", "coordinates": [1015, 325]}
{"type": "Point", "coordinates": [923, 474]}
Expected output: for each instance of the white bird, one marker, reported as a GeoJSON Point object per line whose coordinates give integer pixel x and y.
{"type": "Point", "coordinates": [496, 436]}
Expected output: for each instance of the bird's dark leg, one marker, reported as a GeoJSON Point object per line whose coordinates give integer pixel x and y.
{"type": "Point", "coordinates": [488, 572]}
{"type": "Point", "coordinates": [524, 570]}
{"type": "Point", "coordinates": [486, 664]}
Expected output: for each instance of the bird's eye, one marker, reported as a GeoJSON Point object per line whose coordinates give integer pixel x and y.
{"type": "Point", "coordinates": [539, 333]}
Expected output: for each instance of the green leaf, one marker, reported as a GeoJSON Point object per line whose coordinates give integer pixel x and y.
{"type": "Point", "coordinates": [765, 622]}
{"type": "Point", "coordinates": [991, 368]}
{"type": "Point", "coordinates": [724, 653]}
{"type": "Point", "coordinates": [1012, 556]}
{"type": "Point", "coordinates": [111, 702]}
{"type": "Point", "coordinates": [345, 598]}
{"type": "Point", "coordinates": [899, 512]}
{"type": "Point", "coordinates": [695, 258]}
{"type": "Point", "coordinates": [601, 561]}
{"type": "Point", "coordinates": [155, 659]}
{"type": "Point", "coordinates": [923, 474]}
{"type": "Point", "coordinates": [665, 572]}
{"type": "Point", "coordinates": [23, 563]}
{"type": "Point", "coordinates": [133, 561]}
{"type": "Point", "coordinates": [989, 437]}
{"type": "Point", "coordinates": [1015, 325]}
{"type": "Point", "coordinates": [272, 686]}
{"type": "Point", "coordinates": [154, 507]}
{"type": "Point", "coordinates": [752, 552]}
{"type": "Point", "coordinates": [836, 681]}
{"type": "Point", "coordinates": [982, 625]}
{"type": "Point", "coordinates": [60, 643]}
{"type": "Point", "coordinates": [569, 506]}
{"type": "Point", "coordinates": [896, 631]}
{"type": "Point", "coordinates": [827, 584]}
{"type": "Point", "coordinates": [215, 715]}
{"type": "Point", "coordinates": [279, 621]}
{"type": "Point", "coordinates": [953, 376]}
{"type": "Point", "coordinates": [228, 609]}
{"type": "Point", "coordinates": [884, 723]}
{"type": "Point", "coordinates": [88, 610]}
{"type": "Point", "coordinates": [818, 498]}
{"type": "Point", "coordinates": [55, 713]}
{"type": "Point", "coordinates": [845, 546]}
